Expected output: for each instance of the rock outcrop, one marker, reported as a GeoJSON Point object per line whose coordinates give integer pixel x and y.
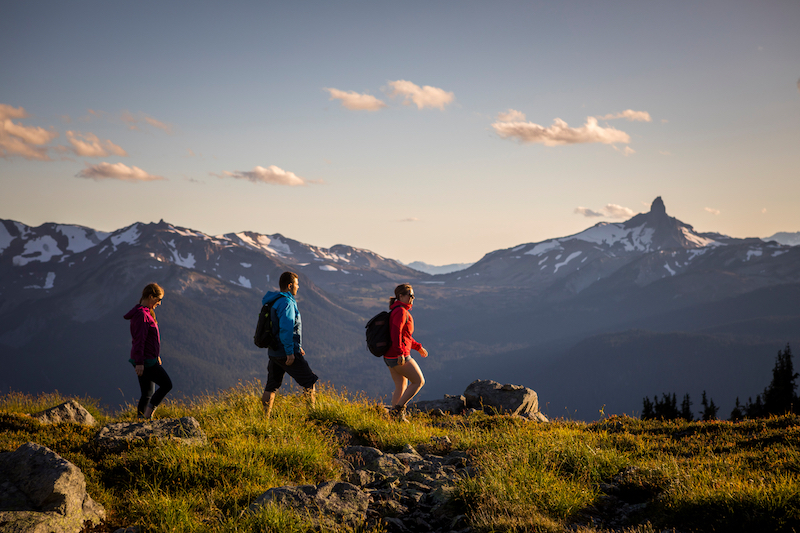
{"type": "Point", "coordinates": [490, 397]}
{"type": "Point", "coordinates": [70, 411]}
{"type": "Point", "coordinates": [41, 492]}
{"type": "Point", "coordinates": [185, 430]}
{"type": "Point", "coordinates": [403, 492]}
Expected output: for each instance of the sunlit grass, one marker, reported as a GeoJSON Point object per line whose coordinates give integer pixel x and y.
{"type": "Point", "coordinates": [712, 476]}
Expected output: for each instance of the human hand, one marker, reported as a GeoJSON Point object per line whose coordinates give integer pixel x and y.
{"type": "Point", "coordinates": [289, 359]}
{"type": "Point", "coordinates": [139, 370]}
{"type": "Point", "coordinates": [423, 352]}
{"type": "Point", "coordinates": [302, 352]}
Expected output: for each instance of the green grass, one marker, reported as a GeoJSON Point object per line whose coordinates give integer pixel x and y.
{"type": "Point", "coordinates": [699, 476]}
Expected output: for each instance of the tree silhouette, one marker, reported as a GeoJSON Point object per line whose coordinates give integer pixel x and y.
{"type": "Point", "coordinates": [686, 408]}
{"type": "Point", "coordinates": [779, 397]}
{"type": "Point", "coordinates": [709, 409]}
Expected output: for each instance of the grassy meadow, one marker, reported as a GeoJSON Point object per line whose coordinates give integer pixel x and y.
{"type": "Point", "coordinates": [673, 476]}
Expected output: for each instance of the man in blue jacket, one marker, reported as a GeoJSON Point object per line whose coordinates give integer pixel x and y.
{"type": "Point", "coordinates": [287, 356]}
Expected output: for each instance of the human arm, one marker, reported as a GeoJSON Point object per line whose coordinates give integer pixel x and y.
{"type": "Point", "coordinates": [286, 314]}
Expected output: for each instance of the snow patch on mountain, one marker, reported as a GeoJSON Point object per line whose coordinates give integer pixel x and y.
{"type": "Point", "coordinates": [128, 236]}
{"type": "Point", "coordinates": [569, 258]}
{"type": "Point", "coordinates": [544, 247]}
{"type": "Point", "coordinates": [42, 249]}
{"type": "Point", "coordinates": [49, 282]}
{"type": "Point", "coordinates": [701, 242]}
{"type": "Point", "coordinates": [751, 253]}
{"type": "Point", "coordinates": [328, 268]}
{"type": "Point", "coordinates": [80, 239]}
{"type": "Point", "coordinates": [244, 282]}
{"type": "Point", "coordinates": [265, 242]}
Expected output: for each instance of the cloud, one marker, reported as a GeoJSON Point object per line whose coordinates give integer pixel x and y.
{"type": "Point", "coordinates": [133, 121]}
{"type": "Point", "coordinates": [24, 141]}
{"type": "Point", "coordinates": [272, 175]}
{"type": "Point", "coordinates": [585, 211]}
{"type": "Point", "coordinates": [609, 211]}
{"type": "Point", "coordinates": [88, 145]}
{"type": "Point", "coordinates": [116, 171]}
{"type": "Point", "coordinates": [712, 210]}
{"type": "Point", "coordinates": [356, 102]}
{"type": "Point", "coordinates": [664, 152]}
{"type": "Point", "coordinates": [410, 219]}
{"type": "Point", "coordinates": [423, 97]}
{"type": "Point", "coordinates": [630, 114]}
{"type": "Point", "coordinates": [512, 115]}
{"type": "Point", "coordinates": [764, 210]}
{"type": "Point", "coordinates": [625, 151]}
{"type": "Point", "coordinates": [560, 133]}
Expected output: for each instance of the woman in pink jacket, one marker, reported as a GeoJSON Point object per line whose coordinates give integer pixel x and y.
{"type": "Point", "coordinates": [146, 350]}
{"type": "Point", "coordinates": [406, 374]}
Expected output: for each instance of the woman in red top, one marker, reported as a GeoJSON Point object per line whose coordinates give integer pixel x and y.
{"type": "Point", "coordinates": [406, 374]}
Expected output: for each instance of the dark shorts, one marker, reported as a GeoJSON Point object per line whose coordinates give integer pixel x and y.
{"type": "Point", "coordinates": [299, 370]}
{"type": "Point", "coordinates": [396, 361]}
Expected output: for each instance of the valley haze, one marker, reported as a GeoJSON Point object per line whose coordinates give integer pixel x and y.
{"type": "Point", "coordinates": [593, 322]}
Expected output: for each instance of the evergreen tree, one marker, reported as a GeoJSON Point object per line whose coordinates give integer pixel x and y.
{"type": "Point", "coordinates": [738, 411]}
{"type": "Point", "coordinates": [667, 407]}
{"type": "Point", "coordinates": [647, 409]}
{"type": "Point", "coordinates": [686, 408]}
{"type": "Point", "coordinates": [780, 397]}
{"type": "Point", "coordinates": [709, 409]}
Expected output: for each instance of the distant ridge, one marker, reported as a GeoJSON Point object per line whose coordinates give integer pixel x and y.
{"type": "Point", "coordinates": [433, 269]}
{"type": "Point", "coordinates": [787, 238]}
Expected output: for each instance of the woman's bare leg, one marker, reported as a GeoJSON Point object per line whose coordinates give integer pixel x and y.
{"type": "Point", "coordinates": [411, 372]}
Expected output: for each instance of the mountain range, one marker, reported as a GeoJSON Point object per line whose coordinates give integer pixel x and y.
{"type": "Point", "coordinates": [593, 321]}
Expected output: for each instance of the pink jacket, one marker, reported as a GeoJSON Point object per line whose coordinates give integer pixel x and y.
{"type": "Point", "coordinates": [145, 338]}
{"type": "Point", "coordinates": [401, 327]}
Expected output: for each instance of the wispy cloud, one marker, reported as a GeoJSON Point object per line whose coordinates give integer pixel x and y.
{"type": "Point", "coordinates": [410, 219]}
{"type": "Point", "coordinates": [133, 121]}
{"type": "Point", "coordinates": [423, 97]}
{"type": "Point", "coordinates": [609, 211]}
{"type": "Point", "coordinates": [25, 141]}
{"type": "Point", "coordinates": [664, 152]}
{"type": "Point", "coordinates": [712, 210]}
{"type": "Point", "coordinates": [630, 114]}
{"type": "Point", "coordinates": [88, 145]}
{"type": "Point", "coordinates": [356, 101]}
{"type": "Point", "coordinates": [116, 171]}
{"type": "Point", "coordinates": [272, 175]}
{"type": "Point", "coordinates": [559, 133]}
{"type": "Point", "coordinates": [624, 151]}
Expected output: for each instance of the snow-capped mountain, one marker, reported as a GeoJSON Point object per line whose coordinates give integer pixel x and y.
{"type": "Point", "coordinates": [784, 237]}
{"type": "Point", "coordinates": [50, 256]}
{"type": "Point", "coordinates": [578, 261]}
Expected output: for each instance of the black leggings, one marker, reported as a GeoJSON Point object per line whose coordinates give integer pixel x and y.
{"type": "Point", "coordinates": [152, 376]}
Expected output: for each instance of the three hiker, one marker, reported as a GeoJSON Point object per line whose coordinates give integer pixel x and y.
{"type": "Point", "coordinates": [146, 350]}
{"type": "Point", "coordinates": [406, 374]}
{"type": "Point", "coordinates": [286, 356]}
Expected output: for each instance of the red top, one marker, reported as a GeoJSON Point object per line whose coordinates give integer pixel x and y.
{"type": "Point", "coordinates": [401, 327]}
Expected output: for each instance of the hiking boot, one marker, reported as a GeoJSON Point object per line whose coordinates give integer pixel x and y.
{"type": "Point", "coordinates": [398, 412]}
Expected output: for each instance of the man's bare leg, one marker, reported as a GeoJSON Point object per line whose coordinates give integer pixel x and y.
{"type": "Point", "coordinates": [266, 400]}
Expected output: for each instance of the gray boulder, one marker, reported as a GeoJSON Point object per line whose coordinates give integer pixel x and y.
{"type": "Point", "coordinates": [453, 405]}
{"type": "Point", "coordinates": [184, 430]}
{"type": "Point", "coordinates": [327, 505]}
{"type": "Point", "coordinates": [493, 397]}
{"type": "Point", "coordinates": [41, 492]}
{"type": "Point", "coordinates": [70, 411]}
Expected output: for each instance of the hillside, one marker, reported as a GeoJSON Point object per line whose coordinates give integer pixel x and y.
{"type": "Point", "coordinates": [617, 474]}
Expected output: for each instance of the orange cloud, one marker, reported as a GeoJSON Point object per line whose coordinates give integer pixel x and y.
{"type": "Point", "coordinates": [560, 133]}
{"type": "Point", "coordinates": [116, 171]}
{"type": "Point", "coordinates": [355, 101]}
{"type": "Point", "coordinates": [423, 97]}
{"type": "Point", "coordinates": [88, 145]}
{"type": "Point", "coordinates": [24, 141]}
{"type": "Point", "coordinates": [272, 175]}
{"type": "Point", "coordinates": [630, 114]}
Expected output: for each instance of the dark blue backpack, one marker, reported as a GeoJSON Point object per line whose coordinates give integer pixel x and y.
{"type": "Point", "coordinates": [265, 336]}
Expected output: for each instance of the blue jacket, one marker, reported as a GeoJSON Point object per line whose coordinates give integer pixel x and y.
{"type": "Point", "coordinates": [289, 326]}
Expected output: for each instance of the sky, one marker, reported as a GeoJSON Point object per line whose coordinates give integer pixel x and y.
{"type": "Point", "coordinates": [434, 131]}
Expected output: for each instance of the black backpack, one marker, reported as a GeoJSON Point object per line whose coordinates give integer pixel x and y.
{"type": "Point", "coordinates": [265, 337]}
{"type": "Point", "coordinates": [378, 338]}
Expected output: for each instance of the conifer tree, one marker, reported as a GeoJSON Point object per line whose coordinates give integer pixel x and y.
{"type": "Point", "coordinates": [709, 409]}
{"type": "Point", "coordinates": [647, 409]}
{"type": "Point", "coordinates": [686, 408]}
{"type": "Point", "coordinates": [780, 396]}
{"type": "Point", "coordinates": [738, 411]}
